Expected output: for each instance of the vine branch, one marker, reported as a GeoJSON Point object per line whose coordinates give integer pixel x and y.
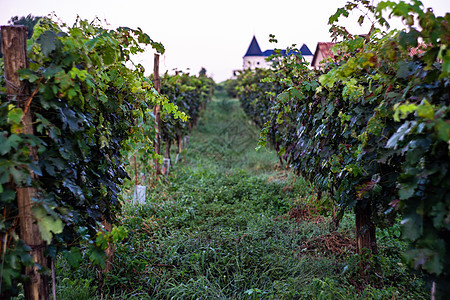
{"type": "Point", "coordinates": [28, 102]}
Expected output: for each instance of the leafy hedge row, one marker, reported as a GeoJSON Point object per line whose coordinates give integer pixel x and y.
{"type": "Point", "coordinates": [257, 90]}
{"type": "Point", "coordinates": [190, 94]}
{"type": "Point", "coordinates": [372, 127]}
{"type": "Point", "coordinates": [89, 111]}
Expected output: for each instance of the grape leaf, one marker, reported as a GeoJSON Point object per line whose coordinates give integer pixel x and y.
{"type": "Point", "coordinates": [15, 116]}
{"type": "Point", "coordinates": [47, 40]}
{"type": "Point", "coordinates": [47, 223]}
{"type": "Point", "coordinates": [412, 227]}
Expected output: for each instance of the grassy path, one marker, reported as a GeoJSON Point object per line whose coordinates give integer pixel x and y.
{"type": "Point", "coordinates": [229, 224]}
{"type": "Point", "coordinates": [217, 232]}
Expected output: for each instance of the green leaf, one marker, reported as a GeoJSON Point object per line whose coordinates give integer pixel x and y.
{"type": "Point", "coordinates": [73, 256]}
{"type": "Point", "coordinates": [361, 20]}
{"type": "Point", "coordinates": [407, 68]}
{"type": "Point", "coordinates": [35, 168]}
{"type": "Point", "coordinates": [408, 39]}
{"type": "Point", "coordinates": [445, 65]}
{"type": "Point", "coordinates": [118, 233]}
{"type": "Point", "coordinates": [14, 140]}
{"type": "Point", "coordinates": [27, 74]}
{"type": "Point", "coordinates": [51, 71]}
{"type": "Point", "coordinates": [427, 258]}
{"type": "Point", "coordinates": [97, 256]}
{"type": "Point", "coordinates": [5, 147]}
{"type": "Point", "coordinates": [430, 56]}
{"type": "Point", "coordinates": [400, 134]}
{"type": "Point", "coordinates": [443, 129]}
{"type": "Point", "coordinates": [7, 195]}
{"type": "Point", "coordinates": [15, 116]}
{"type": "Point", "coordinates": [401, 9]}
{"type": "Point", "coordinates": [406, 192]}
{"type": "Point", "coordinates": [425, 110]}
{"type": "Point", "coordinates": [402, 111]}
{"type": "Point", "coordinates": [101, 240]}
{"type": "Point", "coordinates": [47, 40]}
{"type": "Point", "coordinates": [21, 176]}
{"type": "Point", "coordinates": [9, 274]}
{"type": "Point", "coordinates": [334, 18]}
{"type": "Point", "coordinates": [375, 125]}
{"type": "Point", "coordinates": [109, 56]}
{"type": "Point", "coordinates": [412, 227]}
{"type": "Point", "coordinates": [439, 213]}
{"type": "Point", "coordinates": [48, 224]}
{"type": "Point", "coordinates": [433, 264]}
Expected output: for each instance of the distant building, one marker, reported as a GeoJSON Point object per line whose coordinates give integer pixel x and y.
{"type": "Point", "coordinates": [421, 48]}
{"type": "Point", "coordinates": [323, 51]}
{"type": "Point", "coordinates": [255, 58]}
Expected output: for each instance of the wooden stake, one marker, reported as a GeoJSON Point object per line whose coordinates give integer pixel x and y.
{"type": "Point", "coordinates": [157, 113]}
{"type": "Point", "coordinates": [366, 241]}
{"type": "Point", "coordinates": [179, 144]}
{"type": "Point", "coordinates": [14, 40]}
{"type": "Point", "coordinates": [109, 251]}
{"type": "Point", "coordinates": [102, 273]}
{"type": "Point", "coordinates": [135, 171]}
{"type": "Point", "coordinates": [168, 144]}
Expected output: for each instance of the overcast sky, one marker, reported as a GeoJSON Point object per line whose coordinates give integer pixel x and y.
{"type": "Point", "coordinates": [204, 33]}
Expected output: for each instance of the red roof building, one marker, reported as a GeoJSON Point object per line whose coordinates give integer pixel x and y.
{"type": "Point", "coordinates": [323, 51]}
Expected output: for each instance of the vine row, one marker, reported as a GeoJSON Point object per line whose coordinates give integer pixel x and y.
{"type": "Point", "coordinates": [372, 127]}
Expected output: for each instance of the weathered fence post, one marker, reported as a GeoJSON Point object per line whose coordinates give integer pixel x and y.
{"type": "Point", "coordinates": [156, 112]}
{"type": "Point", "coordinates": [14, 40]}
{"type": "Point", "coordinates": [179, 147]}
{"type": "Point", "coordinates": [168, 146]}
{"type": "Point", "coordinates": [179, 143]}
{"type": "Point", "coordinates": [365, 238]}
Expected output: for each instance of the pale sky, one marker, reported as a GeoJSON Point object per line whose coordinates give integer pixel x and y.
{"type": "Point", "coordinates": [204, 33]}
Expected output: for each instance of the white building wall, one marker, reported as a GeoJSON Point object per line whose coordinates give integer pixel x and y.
{"type": "Point", "coordinates": [254, 62]}
{"type": "Point", "coordinates": [308, 58]}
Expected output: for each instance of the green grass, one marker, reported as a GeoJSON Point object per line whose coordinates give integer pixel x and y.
{"type": "Point", "coordinates": [225, 140]}
{"type": "Point", "coordinates": [215, 231]}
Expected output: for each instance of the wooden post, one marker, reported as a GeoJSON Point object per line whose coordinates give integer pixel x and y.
{"type": "Point", "coordinates": [366, 242]}
{"type": "Point", "coordinates": [179, 147]}
{"type": "Point", "coordinates": [157, 113]}
{"type": "Point", "coordinates": [135, 171]}
{"type": "Point", "coordinates": [102, 273]}
{"type": "Point", "coordinates": [110, 250]}
{"type": "Point", "coordinates": [167, 154]}
{"type": "Point", "coordinates": [14, 40]}
{"type": "Point", "coordinates": [179, 143]}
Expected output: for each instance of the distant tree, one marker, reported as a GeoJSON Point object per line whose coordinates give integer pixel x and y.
{"type": "Point", "coordinates": [28, 21]}
{"type": "Point", "coordinates": [202, 72]}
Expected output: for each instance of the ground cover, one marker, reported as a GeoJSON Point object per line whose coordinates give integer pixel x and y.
{"type": "Point", "coordinates": [229, 223]}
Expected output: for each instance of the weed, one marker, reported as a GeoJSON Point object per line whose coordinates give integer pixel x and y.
{"type": "Point", "coordinates": [76, 289]}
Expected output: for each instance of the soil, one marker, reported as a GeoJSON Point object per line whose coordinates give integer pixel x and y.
{"type": "Point", "coordinates": [332, 244]}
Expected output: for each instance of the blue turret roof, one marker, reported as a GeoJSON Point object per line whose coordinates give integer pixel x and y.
{"type": "Point", "coordinates": [305, 50]}
{"type": "Point", "coordinates": [272, 52]}
{"type": "Point", "coordinates": [253, 49]}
